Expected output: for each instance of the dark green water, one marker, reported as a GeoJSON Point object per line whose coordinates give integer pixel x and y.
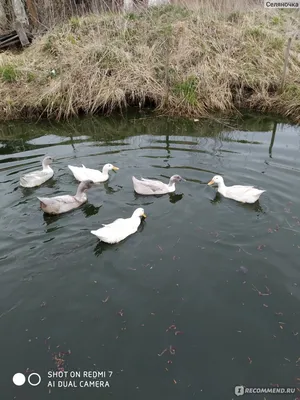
{"type": "Point", "coordinates": [182, 268]}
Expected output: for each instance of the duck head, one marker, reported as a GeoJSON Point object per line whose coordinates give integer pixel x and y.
{"type": "Point", "coordinates": [139, 212]}
{"type": "Point", "coordinates": [217, 179]}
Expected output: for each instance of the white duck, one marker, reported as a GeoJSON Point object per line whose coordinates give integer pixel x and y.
{"type": "Point", "coordinates": [152, 187]}
{"type": "Point", "coordinates": [83, 173]}
{"type": "Point", "coordinates": [120, 228]}
{"type": "Point", "coordinates": [37, 178]}
{"type": "Point", "coordinates": [244, 194]}
{"type": "Point", "coordinates": [61, 204]}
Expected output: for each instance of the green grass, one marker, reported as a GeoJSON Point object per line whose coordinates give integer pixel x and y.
{"type": "Point", "coordinates": [8, 73]}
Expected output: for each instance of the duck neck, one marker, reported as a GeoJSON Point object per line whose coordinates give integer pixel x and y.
{"type": "Point", "coordinates": [171, 185]}
{"type": "Point", "coordinates": [46, 167]}
{"type": "Point", "coordinates": [105, 170]}
{"type": "Point", "coordinates": [221, 187]}
{"type": "Point", "coordinates": [136, 220]}
{"type": "Point", "coordinates": [80, 195]}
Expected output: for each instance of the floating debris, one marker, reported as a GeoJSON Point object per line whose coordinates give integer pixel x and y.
{"type": "Point", "coordinates": [171, 327]}
{"type": "Point", "coordinates": [104, 301]}
{"type": "Point", "coordinates": [260, 293]}
{"type": "Point", "coordinates": [260, 247]}
{"type": "Point", "coordinates": [242, 269]}
{"type": "Point", "coordinates": [163, 352]}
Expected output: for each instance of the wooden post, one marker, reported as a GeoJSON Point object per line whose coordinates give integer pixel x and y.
{"type": "Point", "coordinates": [3, 19]}
{"type": "Point", "coordinates": [32, 12]}
{"type": "Point", "coordinates": [286, 59]}
{"type": "Point", "coordinates": [21, 33]}
{"type": "Point", "coordinates": [272, 139]}
{"type": "Point", "coordinates": [138, 4]}
{"type": "Point", "coordinates": [21, 21]}
{"type": "Point", "coordinates": [167, 71]}
{"type": "Point", "coordinates": [19, 11]}
{"type": "Point", "coordinates": [117, 5]}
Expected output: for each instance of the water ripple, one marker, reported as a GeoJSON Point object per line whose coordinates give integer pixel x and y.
{"type": "Point", "coordinates": [182, 262]}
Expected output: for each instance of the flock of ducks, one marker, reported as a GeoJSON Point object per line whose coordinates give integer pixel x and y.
{"type": "Point", "coordinates": [121, 228]}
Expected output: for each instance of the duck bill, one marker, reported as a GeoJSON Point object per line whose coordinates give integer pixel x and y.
{"type": "Point", "coordinates": [211, 182]}
{"type": "Point", "coordinates": [144, 215]}
{"type": "Point", "coordinates": [115, 168]}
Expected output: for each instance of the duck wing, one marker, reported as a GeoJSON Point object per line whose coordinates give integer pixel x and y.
{"type": "Point", "coordinates": [116, 231]}
{"type": "Point", "coordinates": [117, 224]}
{"type": "Point", "coordinates": [247, 194]}
{"type": "Point", "coordinates": [35, 178]}
{"type": "Point", "coordinates": [58, 200]}
{"type": "Point", "coordinates": [240, 189]}
{"type": "Point", "coordinates": [148, 186]}
{"type": "Point", "coordinates": [83, 174]}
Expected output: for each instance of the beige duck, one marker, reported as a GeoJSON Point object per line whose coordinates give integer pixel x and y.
{"type": "Point", "coordinates": [61, 204]}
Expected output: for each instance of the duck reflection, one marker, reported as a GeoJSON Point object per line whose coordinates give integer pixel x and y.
{"type": "Point", "coordinates": [109, 189]}
{"type": "Point", "coordinates": [140, 197]}
{"type": "Point", "coordinates": [101, 247]}
{"type": "Point", "coordinates": [217, 199]}
{"type": "Point", "coordinates": [89, 209]}
{"type": "Point", "coordinates": [50, 219]}
{"type": "Point", "coordinates": [253, 207]}
{"type": "Point", "coordinates": [26, 191]}
{"type": "Point", "coordinates": [174, 198]}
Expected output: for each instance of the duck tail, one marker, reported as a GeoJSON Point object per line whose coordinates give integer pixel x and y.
{"type": "Point", "coordinates": [23, 181]}
{"type": "Point", "coordinates": [42, 203]}
{"type": "Point", "coordinates": [134, 181]}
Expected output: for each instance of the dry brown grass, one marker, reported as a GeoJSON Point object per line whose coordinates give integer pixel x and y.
{"type": "Point", "coordinates": [187, 61]}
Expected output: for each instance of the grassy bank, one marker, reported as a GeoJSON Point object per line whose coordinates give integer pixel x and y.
{"type": "Point", "coordinates": [187, 62]}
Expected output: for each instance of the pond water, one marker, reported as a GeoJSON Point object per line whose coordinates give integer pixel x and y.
{"type": "Point", "coordinates": [224, 274]}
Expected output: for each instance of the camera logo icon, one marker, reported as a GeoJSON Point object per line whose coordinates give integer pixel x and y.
{"type": "Point", "coordinates": [19, 379]}
{"type": "Point", "coordinates": [239, 390]}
